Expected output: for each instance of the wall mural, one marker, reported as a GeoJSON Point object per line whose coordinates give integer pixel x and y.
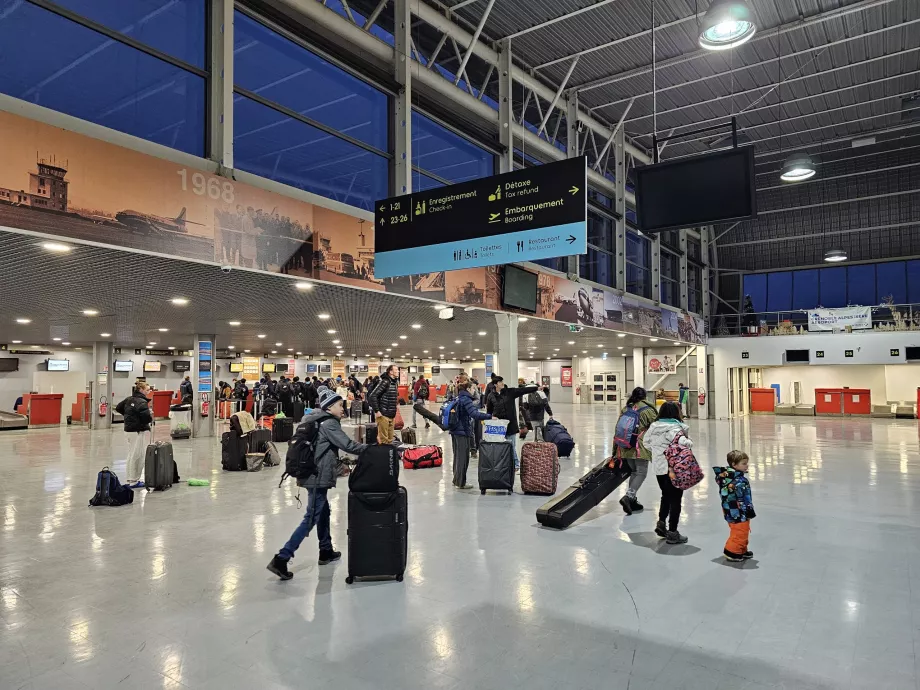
{"type": "Point", "coordinates": [62, 183]}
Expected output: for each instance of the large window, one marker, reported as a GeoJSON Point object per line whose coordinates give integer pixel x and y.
{"type": "Point", "coordinates": [670, 278]}
{"type": "Point", "coordinates": [59, 62]}
{"type": "Point", "coordinates": [303, 121]}
{"type": "Point", "coordinates": [446, 155]}
{"type": "Point", "coordinates": [638, 262]}
{"type": "Point", "coordinates": [694, 289]}
{"type": "Point", "coordinates": [599, 264]}
{"type": "Point", "coordinates": [835, 286]}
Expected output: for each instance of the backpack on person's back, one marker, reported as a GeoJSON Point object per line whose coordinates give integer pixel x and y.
{"type": "Point", "coordinates": [423, 389]}
{"type": "Point", "coordinates": [300, 461]}
{"type": "Point", "coordinates": [626, 435]}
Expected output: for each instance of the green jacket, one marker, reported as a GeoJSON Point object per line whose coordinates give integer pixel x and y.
{"type": "Point", "coordinates": [647, 415]}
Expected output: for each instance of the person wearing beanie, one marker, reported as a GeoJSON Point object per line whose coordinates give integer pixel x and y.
{"type": "Point", "coordinates": [330, 439]}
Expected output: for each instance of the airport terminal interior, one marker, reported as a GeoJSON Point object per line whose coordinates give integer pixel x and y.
{"type": "Point", "coordinates": [461, 344]}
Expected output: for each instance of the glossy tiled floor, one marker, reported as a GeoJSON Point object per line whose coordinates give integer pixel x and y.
{"type": "Point", "coordinates": [172, 592]}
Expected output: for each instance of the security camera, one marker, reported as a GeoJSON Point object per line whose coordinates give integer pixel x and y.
{"type": "Point", "coordinates": [226, 269]}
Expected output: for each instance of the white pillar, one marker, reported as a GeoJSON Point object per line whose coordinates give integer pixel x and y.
{"type": "Point", "coordinates": [204, 383]}
{"type": "Point", "coordinates": [638, 369]}
{"type": "Point", "coordinates": [702, 379]}
{"type": "Point", "coordinates": [103, 354]}
{"type": "Point", "coordinates": [507, 348]}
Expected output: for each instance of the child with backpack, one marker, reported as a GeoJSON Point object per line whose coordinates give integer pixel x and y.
{"type": "Point", "coordinates": [667, 430]}
{"type": "Point", "coordinates": [737, 505]}
{"type": "Point", "coordinates": [635, 419]}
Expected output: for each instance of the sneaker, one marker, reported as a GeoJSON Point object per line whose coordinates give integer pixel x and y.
{"type": "Point", "coordinates": [136, 485]}
{"type": "Point", "coordinates": [279, 567]}
{"type": "Point", "coordinates": [660, 529]}
{"type": "Point", "coordinates": [413, 427]}
{"type": "Point", "coordinates": [328, 556]}
{"type": "Point", "coordinates": [428, 426]}
{"type": "Point", "coordinates": [676, 537]}
{"type": "Point", "coordinates": [474, 453]}
{"type": "Point", "coordinates": [636, 506]}
{"type": "Point", "coordinates": [747, 555]}
{"type": "Point", "coordinates": [466, 486]}
{"type": "Point", "coordinates": [627, 505]}
{"type": "Point", "coordinates": [733, 557]}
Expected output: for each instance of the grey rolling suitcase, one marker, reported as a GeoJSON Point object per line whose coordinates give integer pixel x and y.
{"type": "Point", "coordinates": [159, 466]}
{"type": "Point", "coordinates": [496, 467]}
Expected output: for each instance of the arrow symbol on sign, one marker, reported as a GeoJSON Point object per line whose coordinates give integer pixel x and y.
{"type": "Point", "coordinates": [381, 221]}
{"type": "Point", "coordinates": [382, 208]}
{"type": "Point", "coordinates": [571, 239]}
{"type": "Point", "coordinates": [574, 190]}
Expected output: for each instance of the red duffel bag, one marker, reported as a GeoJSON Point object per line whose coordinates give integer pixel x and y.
{"type": "Point", "coordinates": [421, 457]}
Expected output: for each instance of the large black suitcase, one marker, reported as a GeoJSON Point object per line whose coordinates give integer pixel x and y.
{"type": "Point", "coordinates": [562, 510]}
{"type": "Point", "coordinates": [298, 408]}
{"type": "Point", "coordinates": [496, 467]}
{"type": "Point", "coordinates": [376, 470]}
{"type": "Point", "coordinates": [370, 434]}
{"type": "Point", "coordinates": [378, 534]}
{"type": "Point", "coordinates": [282, 429]}
{"type": "Point", "coordinates": [233, 450]}
{"type": "Point", "coordinates": [159, 466]}
{"type": "Point", "coordinates": [258, 439]}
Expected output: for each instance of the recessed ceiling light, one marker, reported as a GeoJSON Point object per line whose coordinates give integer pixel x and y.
{"type": "Point", "coordinates": [624, 354]}
{"type": "Point", "coordinates": [331, 331]}
{"type": "Point", "coordinates": [403, 337]}
{"type": "Point", "coordinates": [335, 342]}
{"type": "Point", "coordinates": [322, 316]}
{"type": "Point", "coordinates": [571, 342]}
{"type": "Point", "coordinates": [599, 345]}
{"type": "Point", "coordinates": [34, 347]}
{"type": "Point", "coordinates": [23, 321]}
{"type": "Point", "coordinates": [458, 341]}
{"type": "Point", "coordinates": [451, 353]}
{"type": "Point", "coordinates": [621, 335]}
{"type": "Point", "coordinates": [556, 350]}
{"type": "Point", "coordinates": [234, 323]}
{"type": "Point", "coordinates": [105, 335]}
{"type": "Point", "coordinates": [278, 344]}
{"type": "Point", "coordinates": [65, 343]}
{"type": "Point", "coordinates": [654, 340]}
{"type": "Point", "coordinates": [90, 312]}
{"type": "Point", "coordinates": [522, 319]}
{"type": "Point", "coordinates": [425, 351]}
{"type": "Point", "coordinates": [322, 354]}
{"type": "Point", "coordinates": [179, 301]}
{"type": "Point", "coordinates": [56, 247]}
{"type": "Point", "coordinates": [231, 347]}
{"type": "Point", "coordinates": [389, 349]}
{"type": "Point", "coordinates": [584, 352]}
{"type": "Point", "coordinates": [173, 347]}
{"type": "Point", "coordinates": [299, 352]}
{"type": "Point", "coordinates": [482, 332]}
{"type": "Point", "coordinates": [475, 349]}
{"type": "Point", "coordinates": [440, 347]}
{"type": "Point", "coordinates": [152, 342]}
{"type": "Point", "coordinates": [260, 335]}
{"type": "Point", "coordinates": [57, 340]}
{"type": "Point", "coordinates": [247, 350]}
{"type": "Point", "coordinates": [533, 337]}
{"type": "Point", "coordinates": [290, 349]}
{"type": "Point", "coordinates": [394, 344]}
{"type": "Point", "coordinates": [16, 342]}
{"type": "Point", "coordinates": [416, 326]}
{"type": "Point", "coordinates": [274, 352]}
{"type": "Point", "coordinates": [78, 348]}
{"type": "Point", "coordinates": [379, 352]}
{"type": "Point", "coordinates": [303, 286]}
{"type": "Point", "coordinates": [619, 347]}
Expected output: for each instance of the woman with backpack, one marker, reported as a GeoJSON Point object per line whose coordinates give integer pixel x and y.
{"type": "Point", "coordinates": [666, 430]}
{"type": "Point", "coordinates": [637, 455]}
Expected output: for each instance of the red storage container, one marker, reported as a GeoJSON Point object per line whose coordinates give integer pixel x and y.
{"type": "Point", "coordinates": [45, 409]}
{"type": "Point", "coordinates": [829, 401]}
{"type": "Point", "coordinates": [857, 401]}
{"type": "Point", "coordinates": [161, 400]}
{"type": "Point", "coordinates": [763, 400]}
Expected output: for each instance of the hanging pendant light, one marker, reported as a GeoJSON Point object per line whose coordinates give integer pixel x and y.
{"type": "Point", "coordinates": [727, 24]}
{"type": "Point", "coordinates": [835, 256]}
{"type": "Point", "coordinates": [798, 167]}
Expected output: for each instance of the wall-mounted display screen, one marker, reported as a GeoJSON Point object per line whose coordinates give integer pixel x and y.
{"type": "Point", "coordinates": [182, 365]}
{"type": "Point", "coordinates": [9, 364]}
{"type": "Point", "coordinates": [58, 365]}
{"type": "Point", "coordinates": [325, 368]}
{"type": "Point", "coordinates": [519, 289]}
{"type": "Point", "coordinates": [152, 365]}
{"type": "Point", "coordinates": [281, 368]}
{"type": "Point", "coordinates": [124, 365]}
{"type": "Point", "coordinates": [236, 367]}
{"type": "Point", "coordinates": [268, 368]}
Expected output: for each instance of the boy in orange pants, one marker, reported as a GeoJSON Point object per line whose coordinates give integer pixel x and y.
{"type": "Point", "coordinates": [735, 494]}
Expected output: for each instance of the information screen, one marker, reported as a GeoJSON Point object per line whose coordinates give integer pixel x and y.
{"type": "Point", "coordinates": [58, 365]}
{"type": "Point", "coordinates": [152, 366]}
{"type": "Point", "coordinates": [519, 289]}
{"type": "Point", "coordinates": [124, 365]}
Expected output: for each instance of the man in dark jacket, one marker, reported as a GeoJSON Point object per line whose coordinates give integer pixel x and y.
{"type": "Point", "coordinates": [462, 418]}
{"type": "Point", "coordinates": [186, 392]}
{"type": "Point", "coordinates": [490, 388]}
{"type": "Point", "coordinates": [501, 405]}
{"type": "Point", "coordinates": [310, 392]}
{"type": "Point", "coordinates": [330, 439]}
{"type": "Point", "coordinates": [421, 391]}
{"type": "Point", "coordinates": [138, 417]}
{"type": "Point", "coordinates": [383, 400]}
{"type": "Point", "coordinates": [286, 396]}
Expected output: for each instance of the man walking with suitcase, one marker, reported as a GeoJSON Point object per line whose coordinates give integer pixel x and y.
{"type": "Point", "coordinates": [383, 400]}
{"type": "Point", "coordinates": [330, 439]}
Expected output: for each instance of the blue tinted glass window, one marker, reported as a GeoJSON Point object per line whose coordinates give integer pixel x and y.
{"type": "Point", "coordinates": [805, 289]}
{"type": "Point", "coordinates": [447, 155]}
{"type": "Point", "coordinates": [421, 182]}
{"type": "Point", "coordinates": [779, 291]}
{"type": "Point", "coordinates": [892, 281]}
{"type": "Point", "coordinates": [271, 145]}
{"type": "Point", "coordinates": [638, 281]}
{"type": "Point", "coordinates": [281, 71]}
{"type": "Point", "coordinates": [85, 74]}
{"type": "Point", "coordinates": [637, 249]}
{"type": "Point", "coordinates": [670, 293]}
{"type": "Point", "coordinates": [596, 266]}
{"type": "Point", "coordinates": [913, 281]}
{"type": "Point", "coordinates": [833, 287]}
{"type": "Point", "coordinates": [756, 286]}
{"type": "Point", "coordinates": [861, 285]}
{"type": "Point", "coordinates": [174, 28]}
{"type": "Point", "coordinates": [600, 231]}
{"type": "Point", "coordinates": [556, 263]}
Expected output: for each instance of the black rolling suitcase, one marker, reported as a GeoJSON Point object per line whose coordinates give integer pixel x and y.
{"type": "Point", "coordinates": [258, 439]}
{"type": "Point", "coordinates": [378, 534]}
{"type": "Point", "coordinates": [282, 429]}
{"type": "Point", "coordinates": [159, 466]}
{"type": "Point", "coordinates": [233, 450]}
{"type": "Point", "coordinates": [496, 467]}
{"type": "Point", "coordinates": [298, 408]}
{"type": "Point", "coordinates": [370, 434]}
{"type": "Point", "coordinates": [562, 510]}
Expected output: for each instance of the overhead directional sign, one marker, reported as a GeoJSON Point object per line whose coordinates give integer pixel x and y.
{"type": "Point", "coordinates": [537, 213]}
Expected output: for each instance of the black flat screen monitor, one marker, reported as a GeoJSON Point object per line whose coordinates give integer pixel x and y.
{"type": "Point", "coordinates": [9, 364]}
{"type": "Point", "coordinates": [688, 192]}
{"type": "Point", "coordinates": [519, 289]}
{"type": "Point", "coordinates": [182, 365]}
{"type": "Point", "coordinates": [281, 368]}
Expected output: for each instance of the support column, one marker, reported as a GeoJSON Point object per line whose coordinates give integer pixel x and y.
{"type": "Point", "coordinates": [203, 383]}
{"type": "Point", "coordinates": [571, 120]}
{"type": "Point", "coordinates": [103, 358]}
{"type": "Point", "coordinates": [705, 238]}
{"type": "Point", "coordinates": [682, 282]}
{"type": "Point", "coordinates": [619, 154]}
{"type": "Point", "coordinates": [702, 381]}
{"type": "Point", "coordinates": [402, 101]}
{"type": "Point", "coordinates": [638, 369]}
{"type": "Point", "coordinates": [508, 347]}
{"type": "Point", "coordinates": [220, 103]}
{"type": "Point", "coordinates": [505, 109]}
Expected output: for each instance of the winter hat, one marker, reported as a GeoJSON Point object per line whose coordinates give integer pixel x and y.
{"type": "Point", "coordinates": [328, 398]}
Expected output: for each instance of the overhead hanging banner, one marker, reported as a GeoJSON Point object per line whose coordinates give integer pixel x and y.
{"type": "Point", "coordinates": [857, 318]}
{"type": "Point", "coordinates": [525, 215]}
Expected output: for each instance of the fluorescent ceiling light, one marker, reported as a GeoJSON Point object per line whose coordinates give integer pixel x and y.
{"type": "Point", "coordinates": [56, 247]}
{"type": "Point", "coordinates": [234, 323]}
{"type": "Point", "coordinates": [322, 316]}
{"type": "Point", "coordinates": [90, 312]}
{"type": "Point", "coordinates": [303, 286]}
{"type": "Point", "coordinates": [23, 321]}
{"type": "Point", "coordinates": [179, 301]}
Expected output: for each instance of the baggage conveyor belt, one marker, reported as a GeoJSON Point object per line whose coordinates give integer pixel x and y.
{"type": "Point", "coordinates": [12, 420]}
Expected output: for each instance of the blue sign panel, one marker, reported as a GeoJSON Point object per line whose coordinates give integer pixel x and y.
{"type": "Point", "coordinates": [537, 213]}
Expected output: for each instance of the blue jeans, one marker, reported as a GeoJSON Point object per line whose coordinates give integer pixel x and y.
{"type": "Point", "coordinates": [317, 515]}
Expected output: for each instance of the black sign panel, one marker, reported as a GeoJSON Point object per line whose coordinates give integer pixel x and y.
{"type": "Point", "coordinates": [895, 353]}
{"type": "Point", "coordinates": [531, 214]}
{"type": "Point", "coordinates": [745, 355]}
{"type": "Point", "coordinates": [848, 353]}
{"type": "Point", "coordinates": [117, 350]}
{"type": "Point", "coordinates": [819, 354]}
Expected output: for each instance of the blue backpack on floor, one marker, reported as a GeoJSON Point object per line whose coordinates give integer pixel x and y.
{"type": "Point", "coordinates": [109, 491]}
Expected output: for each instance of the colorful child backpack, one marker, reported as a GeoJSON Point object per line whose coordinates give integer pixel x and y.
{"type": "Point", "coordinates": [687, 471]}
{"type": "Point", "coordinates": [626, 434]}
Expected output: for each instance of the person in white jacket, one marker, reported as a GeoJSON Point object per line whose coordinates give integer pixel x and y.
{"type": "Point", "coordinates": [660, 434]}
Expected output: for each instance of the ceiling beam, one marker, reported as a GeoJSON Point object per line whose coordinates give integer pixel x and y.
{"type": "Point", "coordinates": [560, 18]}
{"type": "Point", "coordinates": [473, 40]}
{"type": "Point", "coordinates": [829, 233]}
{"type": "Point", "coordinates": [760, 36]}
{"type": "Point", "coordinates": [555, 100]}
{"type": "Point", "coordinates": [839, 140]}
